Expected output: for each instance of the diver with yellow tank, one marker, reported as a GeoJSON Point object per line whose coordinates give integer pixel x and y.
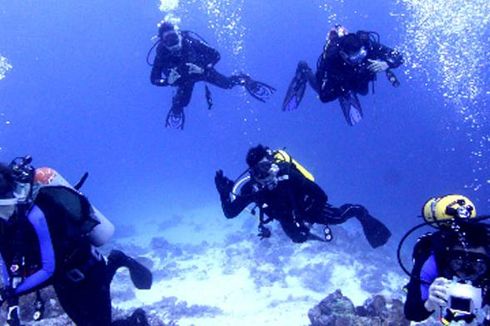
{"type": "Point", "coordinates": [451, 266]}
{"type": "Point", "coordinates": [285, 191]}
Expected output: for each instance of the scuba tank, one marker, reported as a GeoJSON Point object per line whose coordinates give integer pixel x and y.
{"type": "Point", "coordinates": [30, 181]}
{"type": "Point", "coordinates": [48, 177]}
{"type": "Point", "coordinates": [442, 212]}
{"type": "Point", "coordinates": [281, 156]}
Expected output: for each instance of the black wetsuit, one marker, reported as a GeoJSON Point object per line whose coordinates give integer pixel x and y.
{"type": "Point", "coordinates": [294, 202]}
{"type": "Point", "coordinates": [430, 262]}
{"type": "Point", "coordinates": [80, 276]}
{"type": "Point", "coordinates": [334, 77]}
{"type": "Point", "coordinates": [198, 53]}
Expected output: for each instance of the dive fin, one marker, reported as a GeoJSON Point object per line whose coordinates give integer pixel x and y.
{"type": "Point", "coordinates": [141, 276]}
{"type": "Point", "coordinates": [377, 234]}
{"type": "Point", "coordinates": [296, 91]}
{"type": "Point", "coordinates": [351, 107]}
{"type": "Point", "coordinates": [175, 119]}
{"type": "Point", "coordinates": [209, 97]}
{"type": "Point", "coordinates": [259, 90]}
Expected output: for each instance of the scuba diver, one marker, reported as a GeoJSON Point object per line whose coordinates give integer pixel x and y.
{"type": "Point", "coordinates": [285, 191]}
{"type": "Point", "coordinates": [48, 235]}
{"type": "Point", "coordinates": [451, 266]}
{"type": "Point", "coordinates": [182, 59]}
{"type": "Point", "coordinates": [348, 63]}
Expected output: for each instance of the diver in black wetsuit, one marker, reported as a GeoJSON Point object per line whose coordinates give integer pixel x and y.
{"type": "Point", "coordinates": [282, 192]}
{"type": "Point", "coordinates": [182, 60]}
{"type": "Point", "coordinates": [45, 240]}
{"type": "Point", "coordinates": [348, 63]}
{"type": "Point", "coordinates": [450, 277]}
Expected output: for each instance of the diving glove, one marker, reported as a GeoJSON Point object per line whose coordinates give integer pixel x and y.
{"type": "Point", "coordinates": [264, 232]}
{"type": "Point", "coordinates": [173, 76]}
{"type": "Point", "coordinates": [223, 184]}
{"type": "Point", "coordinates": [175, 119]}
{"type": "Point", "coordinates": [194, 69]}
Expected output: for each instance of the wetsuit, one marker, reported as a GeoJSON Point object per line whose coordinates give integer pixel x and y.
{"type": "Point", "coordinates": [429, 261]}
{"type": "Point", "coordinates": [198, 53]}
{"type": "Point", "coordinates": [294, 202]}
{"type": "Point", "coordinates": [53, 251]}
{"type": "Point", "coordinates": [335, 77]}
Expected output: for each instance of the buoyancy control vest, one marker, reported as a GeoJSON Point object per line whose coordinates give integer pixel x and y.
{"type": "Point", "coordinates": [84, 219]}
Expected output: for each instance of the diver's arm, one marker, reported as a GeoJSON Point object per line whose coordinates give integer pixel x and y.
{"type": "Point", "coordinates": [225, 186]}
{"type": "Point", "coordinates": [418, 291]}
{"type": "Point", "coordinates": [232, 208]}
{"type": "Point", "coordinates": [157, 77]}
{"type": "Point", "coordinates": [37, 219]}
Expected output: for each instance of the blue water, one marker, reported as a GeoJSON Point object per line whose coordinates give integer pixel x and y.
{"type": "Point", "coordinates": [79, 99]}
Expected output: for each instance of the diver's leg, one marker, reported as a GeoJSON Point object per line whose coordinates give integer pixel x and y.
{"type": "Point", "coordinates": [140, 275]}
{"type": "Point", "coordinates": [87, 302]}
{"type": "Point", "coordinates": [334, 215]}
{"type": "Point", "coordinates": [217, 79]}
{"type": "Point", "coordinates": [329, 91]}
{"type": "Point", "coordinates": [258, 90]}
{"type": "Point", "coordinates": [361, 86]}
{"type": "Point", "coordinates": [182, 96]}
{"type": "Point", "coordinates": [375, 231]}
{"type": "Point", "coordinates": [298, 234]}
{"type": "Point", "coordinates": [310, 76]}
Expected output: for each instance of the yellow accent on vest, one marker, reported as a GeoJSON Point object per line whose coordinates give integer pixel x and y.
{"type": "Point", "coordinates": [282, 156]}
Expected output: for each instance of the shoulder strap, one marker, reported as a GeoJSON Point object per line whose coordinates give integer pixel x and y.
{"type": "Point", "coordinates": [423, 246]}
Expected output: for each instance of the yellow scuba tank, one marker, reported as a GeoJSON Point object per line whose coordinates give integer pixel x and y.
{"type": "Point", "coordinates": [281, 156]}
{"type": "Point", "coordinates": [448, 207]}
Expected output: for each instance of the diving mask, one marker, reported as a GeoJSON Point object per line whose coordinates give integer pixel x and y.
{"type": "Point", "coordinates": [172, 40]}
{"type": "Point", "coordinates": [469, 266]}
{"type": "Point", "coordinates": [462, 210]}
{"type": "Point", "coordinates": [354, 58]}
{"type": "Point", "coordinates": [23, 173]}
{"type": "Point", "coordinates": [265, 172]}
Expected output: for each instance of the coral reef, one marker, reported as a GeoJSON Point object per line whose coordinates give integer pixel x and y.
{"type": "Point", "coordinates": [338, 310]}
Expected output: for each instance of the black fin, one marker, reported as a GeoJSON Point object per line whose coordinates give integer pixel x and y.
{"type": "Point", "coordinates": [377, 234]}
{"type": "Point", "coordinates": [141, 276]}
{"type": "Point", "coordinates": [175, 119]}
{"type": "Point", "coordinates": [259, 90]}
{"type": "Point", "coordinates": [296, 91]}
{"type": "Point", "coordinates": [351, 107]}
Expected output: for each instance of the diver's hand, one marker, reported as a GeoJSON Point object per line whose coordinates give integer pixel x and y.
{"type": "Point", "coordinates": [264, 232]}
{"type": "Point", "coordinates": [377, 65]}
{"type": "Point", "coordinates": [173, 76]}
{"type": "Point", "coordinates": [223, 184]}
{"type": "Point", "coordinates": [437, 294]}
{"type": "Point", "coordinates": [194, 69]}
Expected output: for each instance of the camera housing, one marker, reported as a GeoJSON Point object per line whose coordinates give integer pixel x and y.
{"type": "Point", "coordinates": [464, 298]}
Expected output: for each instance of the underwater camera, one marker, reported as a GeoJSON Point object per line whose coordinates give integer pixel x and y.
{"type": "Point", "coordinates": [464, 298]}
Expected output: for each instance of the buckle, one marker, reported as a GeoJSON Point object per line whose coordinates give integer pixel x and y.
{"type": "Point", "coordinates": [75, 275]}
